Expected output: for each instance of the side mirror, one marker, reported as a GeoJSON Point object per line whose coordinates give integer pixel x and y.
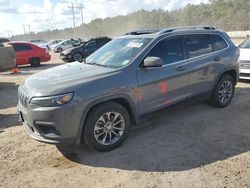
{"type": "Point", "coordinates": [152, 62]}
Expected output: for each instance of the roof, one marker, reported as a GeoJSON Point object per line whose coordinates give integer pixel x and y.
{"type": "Point", "coordinates": [152, 33]}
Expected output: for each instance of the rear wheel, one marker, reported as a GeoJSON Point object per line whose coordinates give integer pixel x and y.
{"type": "Point", "coordinates": [107, 126]}
{"type": "Point", "coordinates": [35, 62]}
{"type": "Point", "coordinates": [224, 92]}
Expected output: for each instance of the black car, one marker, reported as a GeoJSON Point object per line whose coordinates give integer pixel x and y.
{"type": "Point", "coordinates": [2, 40]}
{"type": "Point", "coordinates": [84, 50]}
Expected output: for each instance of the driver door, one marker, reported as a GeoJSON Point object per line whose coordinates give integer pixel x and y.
{"type": "Point", "coordinates": [162, 86]}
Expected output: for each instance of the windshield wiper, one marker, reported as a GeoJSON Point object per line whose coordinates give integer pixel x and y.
{"type": "Point", "coordinates": [102, 65]}
{"type": "Point", "coordinates": [93, 63]}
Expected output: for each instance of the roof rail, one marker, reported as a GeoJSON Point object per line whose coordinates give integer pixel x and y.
{"type": "Point", "coordinates": [167, 30]}
{"type": "Point", "coordinates": [141, 32]}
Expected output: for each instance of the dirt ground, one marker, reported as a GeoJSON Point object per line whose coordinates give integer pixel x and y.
{"type": "Point", "coordinates": [191, 145]}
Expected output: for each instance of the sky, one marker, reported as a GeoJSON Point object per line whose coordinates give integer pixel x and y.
{"type": "Point", "coordinates": [38, 15]}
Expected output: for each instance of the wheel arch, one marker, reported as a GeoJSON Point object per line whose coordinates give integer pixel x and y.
{"type": "Point", "coordinates": [231, 73]}
{"type": "Point", "coordinates": [123, 100]}
{"type": "Point", "coordinates": [34, 58]}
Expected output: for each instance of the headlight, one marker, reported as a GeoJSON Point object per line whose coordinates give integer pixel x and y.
{"type": "Point", "coordinates": [52, 100]}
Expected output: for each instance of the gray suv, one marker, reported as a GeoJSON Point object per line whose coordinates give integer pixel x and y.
{"type": "Point", "coordinates": [98, 100]}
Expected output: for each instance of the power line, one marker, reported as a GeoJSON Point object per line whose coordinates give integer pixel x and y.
{"type": "Point", "coordinates": [80, 6]}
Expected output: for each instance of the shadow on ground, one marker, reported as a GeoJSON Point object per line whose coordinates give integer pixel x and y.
{"type": "Point", "coordinates": [26, 70]}
{"type": "Point", "coordinates": [8, 95]}
{"type": "Point", "coordinates": [180, 138]}
{"type": "Point", "coordinates": [9, 120]}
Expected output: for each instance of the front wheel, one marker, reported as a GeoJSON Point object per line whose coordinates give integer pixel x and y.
{"type": "Point", "coordinates": [77, 57]}
{"type": "Point", "coordinates": [107, 126]}
{"type": "Point", "coordinates": [224, 92]}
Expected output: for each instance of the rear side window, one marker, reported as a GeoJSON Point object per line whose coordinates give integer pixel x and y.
{"type": "Point", "coordinates": [21, 47]}
{"type": "Point", "coordinates": [170, 50]}
{"type": "Point", "coordinates": [198, 45]}
{"type": "Point", "coordinates": [218, 42]}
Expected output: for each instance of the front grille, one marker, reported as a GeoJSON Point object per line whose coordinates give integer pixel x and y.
{"type": "Point", "coordinates": [23, 99]}
{"type": "Point", "coordinates": [244, 75]}
{"type": "Point", "coordinates": [245, 64]}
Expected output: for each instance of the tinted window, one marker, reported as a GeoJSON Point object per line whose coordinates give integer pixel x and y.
{"type": "Point", "coordinates": [245, 44]}
{"type": "Point", "coordinates": [21, 47]}
{"type": "Point", "coordinates": [170, 50]}
{"type": "Point", "coordinates": [218, 42]}
{"type": "Point", "coordinates": [198, 45]}
{"type": "Point", "coordinates": [2, 40]}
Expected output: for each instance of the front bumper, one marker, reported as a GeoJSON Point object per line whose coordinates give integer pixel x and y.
{"type": "Point", "coordinates": [54, 125]}
{"type": "Point", "coordinates": [245, 71]}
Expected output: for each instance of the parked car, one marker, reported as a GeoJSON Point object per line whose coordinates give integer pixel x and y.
{"type": "Point", "coordinates": [38, 41]}
{"type": "Point", "coordinates": [245, 59]}
{"type": "Point", "coordinates": [7, 57]}
{"type": "Point", "coordinates": [64, 45]}
{"type": "Point", "coordinates": [83, 51]}
{"type": "Point", "coordinates": [29, 53]}
{"type": "Point", "coordinates": [97, 101]}
{"type": "Point", "coordinates": [50, 43]}
{"type": "Point", "coordinates": [2, 40]}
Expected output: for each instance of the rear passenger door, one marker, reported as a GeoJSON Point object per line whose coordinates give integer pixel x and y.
{"type": "Point", "coordinates": [202, 62]}
{"type": "Point", "coordinates": [23, 53]}
{"type": "Point", "coordinates": [162, 86]}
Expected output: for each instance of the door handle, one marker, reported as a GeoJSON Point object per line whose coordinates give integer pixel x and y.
{"type": "Point", "coordinates": [181, 68]}
{"type": "Point", "coordinates": [217, 59]}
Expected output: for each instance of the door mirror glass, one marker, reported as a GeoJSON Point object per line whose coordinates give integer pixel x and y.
{"type": "Point", "coordinates": [152, 62]}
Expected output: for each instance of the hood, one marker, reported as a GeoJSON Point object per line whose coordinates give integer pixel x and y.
{"type": "Point", "coordinates": [245, 54]}
{"type": "Point", "coordinates": [70, 50]}
{"type": "Point", "coordinates": [63, 78]}
{"type": "Point", "coordinates": [53, 46]}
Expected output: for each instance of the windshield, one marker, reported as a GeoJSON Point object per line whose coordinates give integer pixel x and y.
{"type": "Point", "coordinates": [245, 44]}
{"type": "Point", "coordinates": [118, 52]}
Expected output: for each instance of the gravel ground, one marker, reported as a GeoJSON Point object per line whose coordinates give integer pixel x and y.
{"type": "Point", "coordinates": [190, 145]}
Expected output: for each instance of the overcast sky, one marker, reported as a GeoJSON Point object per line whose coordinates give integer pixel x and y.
{"type": "Point", "coordinates": [57, 14]}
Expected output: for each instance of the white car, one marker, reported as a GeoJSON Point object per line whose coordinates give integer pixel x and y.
{"type": "Point", "coordinates": [50, 43]}
{"type": "Point", "coordinates": [245, 59]}
{"type": "Point", "coordinates": [64, 45]}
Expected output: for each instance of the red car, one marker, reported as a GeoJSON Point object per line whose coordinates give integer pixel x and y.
{"type": "Point", "coordinates": [28, 53]}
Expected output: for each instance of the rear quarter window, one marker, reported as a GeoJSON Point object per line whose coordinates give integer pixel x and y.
{"type": "Point", "coordinates": [218, 42]}
{"type": "Point", "coordinates": [198, 44]}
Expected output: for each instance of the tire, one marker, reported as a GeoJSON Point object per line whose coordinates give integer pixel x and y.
{"type": "Point", "coordinates": [103, 121]}
{"type": "Point", "coordinates": [77, 57]}
{"type": "Point", "coordinates": [35, 62]}
{"type": "Point", "coordinates": [59, 50]}
{"type": "Point", "coordinates": [223, 92]}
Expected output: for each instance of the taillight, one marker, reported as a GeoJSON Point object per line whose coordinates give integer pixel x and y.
{"type": "Point", "coordinates": [46, 50]}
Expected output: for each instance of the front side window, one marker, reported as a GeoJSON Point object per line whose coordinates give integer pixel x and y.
{"type": "Point", "coordinates": [21, 47]}
{"type": "Point", "coordinates": [119, 52]}
{"type": "Point", "coordinates": [198, 44]}
{"type": "Point", "coordinates": [218, 42]}
{"type": "Point", "coordinates": [170, 50]}
{"type": "Point", "coordinates": [245, 44]}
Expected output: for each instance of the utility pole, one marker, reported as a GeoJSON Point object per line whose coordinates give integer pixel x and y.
{"type": "Point", "coordinates": [9, 33]}
{"type": "Point", "coordinates": [24, 32]}
{"type": "Point", "coordinates": [73, 13]}
{"type": "Point", "coordinates": [81, 8]}
{"type": "Point", "coordinates": [29, 28]}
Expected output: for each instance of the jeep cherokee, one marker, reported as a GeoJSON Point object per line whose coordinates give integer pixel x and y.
{"type": "Point", "coordinates": [97, 101]}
